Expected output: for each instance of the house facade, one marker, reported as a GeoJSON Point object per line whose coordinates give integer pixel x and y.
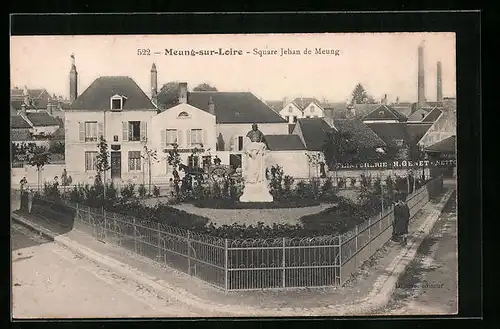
{"type": "Point", "coordinates": [117, 109]}
{"type": "Point", "coordinates": [302, 108]}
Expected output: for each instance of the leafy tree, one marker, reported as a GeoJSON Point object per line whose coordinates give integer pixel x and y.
{"type": "Point", "coordinates": [38, 157]}
{"type": "Point", "coordinates": [361, 96]}
{"type": "Point", "coordinates": [204, 87]}
{"type": "Point", "coordinates": [56, 147]}
{"type": "Point", "coordinates": [102, 159]}
{"type": "Point", "coordinates": [149, 156]}
{"type": "Point", "coordinates": [169, 94]}
{"type": "Point", "coordinates": [174, 159]}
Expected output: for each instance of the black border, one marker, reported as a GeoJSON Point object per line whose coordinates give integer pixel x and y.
{"type": "Point", "coordinates": [467, 28]}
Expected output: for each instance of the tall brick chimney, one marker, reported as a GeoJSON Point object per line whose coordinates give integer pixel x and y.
{"type": "Point", "coordinates": [154, 79]}
{"type": "Point", "coordinates": [183, 94]}
{"type": "Point", "coordinates": [211, 106]}
{"type": "Point", "coordinates": [73, 80]}
{"type": "Point", "coordinates": [421, 76]}
{"type": "Point", "coordinates": [439, 83]}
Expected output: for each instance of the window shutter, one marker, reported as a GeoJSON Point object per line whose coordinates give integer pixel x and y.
{"type": "Point", "coordinates": [82, 131]}
{"type": "Point", "coordinates": [125, 130]}
{"type": "Point", "coordinates": [87, 161]}
{"type": "Point", "coordinates": [188, 138]}
{"type": "Point", "coordinates": [100, 130]}
{"type": "Point", "coordinates": [144, 134]}
{"type": "Point", "coordinates": [204, 138]}
{"type": "Point", "coordinates": [163, 138]}
{"type": "Point", "coordinates": [179, 138]}
{"type": "Point", "coordinates": [233, 143]}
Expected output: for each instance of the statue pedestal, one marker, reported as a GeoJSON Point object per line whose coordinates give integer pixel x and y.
{"type": "Point", "coordinates": [258, 192]}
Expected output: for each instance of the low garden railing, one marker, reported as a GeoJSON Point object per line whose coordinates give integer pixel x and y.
{"type": "Point", "coordinates": [246, 264]}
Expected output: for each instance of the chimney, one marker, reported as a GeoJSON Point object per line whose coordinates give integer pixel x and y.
{"type": "Point", "coordinates": [439, 83]}
{"type": "Point", "coordinates": [384, 100]}
{"type": "Point", "coordinates": [211, 106]}
{"type": "Point", "coordinates": [183, 95]}
{"type": "Point", "coordinates": [73, 80]}
{"type": "Point", "coordinates": [421, 76]}
{"type": "Point", "coordinates": [154, 80]}
{"type": "Point", "coordinates": [397, 100]}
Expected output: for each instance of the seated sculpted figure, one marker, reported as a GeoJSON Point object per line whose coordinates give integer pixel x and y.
{"type": "Point", "coordinates": [256, 189]}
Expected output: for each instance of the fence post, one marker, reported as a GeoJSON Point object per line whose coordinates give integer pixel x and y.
{"type": "Point", "coordinates": [370, 234]}
{"type": "Point", "coordinates": [135, 238]}
{"type": "Point", "coordinates": [105, 223]}
{"type": "Point", "coordinates": [356, 230]}
{"type": "Point", "coordinates": [189, 253]}
{"type": "Point", "coordinates": [159, 242]}
{"type": "Point", "coordinates": [340, 260]}
{"type": "Point", "coordinates": [226, 283]}
{"type": "Point", "coordinates": [283, 263]}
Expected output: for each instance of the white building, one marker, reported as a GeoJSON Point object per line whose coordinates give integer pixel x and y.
{"type": "Point", "coordinates": [302, 108]}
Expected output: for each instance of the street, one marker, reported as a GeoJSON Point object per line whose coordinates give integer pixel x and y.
{"type": "Point", "coordinates": [50, 281]}
{"type": "Point", "coordinates": [429, 284]}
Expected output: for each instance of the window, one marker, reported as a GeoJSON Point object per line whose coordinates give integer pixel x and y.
{"type": "Point", "coordinates": [193, 161]}
{"type": "Point", "coordinates": [171, 136]}
{"type": "Point", "coordinates": [91, 131]}
{"type": "Point", "coordinates": [134, 131]}
{"type": "Point", "coordinates": [206, 161]}
{"type": "Point", "coordinates": [240, 143]}
{"type": "Point", "coordinates": [134, 160]}
{"type": "Point", "coordinates": [183, 115]}
{"type": "Point", "coordinates": [116, 104]}
{"type": "Point", "coordinates": [294, 119]}
{"type": "Point", "coordinates": [380, 113]}
{"type": "Point", "coordinates": [290, 109]}
{"type": "Point", "coordinates": [312, 108]}
{"type": "Point", "coordinates": [90, 160]}
{"type": "Point", "coordinates": [398, 142]}
{"type": "Point", "coordinates": [423, 115]}
{"type": "Point", "coordinates": [196, 136]}
{"type": "Point", "coordinates": [287, 118]}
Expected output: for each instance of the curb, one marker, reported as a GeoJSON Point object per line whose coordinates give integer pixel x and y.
{"type": "Point", "coordinates": [377, 297]}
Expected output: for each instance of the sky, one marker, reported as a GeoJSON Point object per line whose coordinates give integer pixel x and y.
{"type": "Point", "coordinates": [385, 63]}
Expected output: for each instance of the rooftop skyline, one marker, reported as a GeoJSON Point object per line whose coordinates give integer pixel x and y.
{"type": "Point", "coordinates": [385, 63]}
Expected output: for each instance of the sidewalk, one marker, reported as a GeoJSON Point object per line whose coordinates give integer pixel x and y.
{"type": "Point", "coordinates": [369, 289]}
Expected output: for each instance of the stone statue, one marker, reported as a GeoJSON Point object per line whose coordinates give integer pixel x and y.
{"type": "Point", "coordinates": [254, 170]}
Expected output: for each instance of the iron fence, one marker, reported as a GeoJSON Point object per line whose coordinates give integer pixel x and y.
{"type": "Point", "coordinates": [240, 264]}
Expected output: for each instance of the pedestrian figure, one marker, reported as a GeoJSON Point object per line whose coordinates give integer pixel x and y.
{"type": "Point", "coordinates": [172, 188]}
{"type": "Point", "coordinates": [23, 182]}
{"type": "Point", "coordinates": [56, 182]}
{"type": "Point", "coordinates": [401, 221]}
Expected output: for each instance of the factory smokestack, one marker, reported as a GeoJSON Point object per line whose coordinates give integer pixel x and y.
{"type": "Point", "coordinates": [439, 83]}
{"type": "Point", "coordinates": [421, 76]}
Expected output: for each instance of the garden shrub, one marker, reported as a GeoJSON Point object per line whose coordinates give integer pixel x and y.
{"type": "Point", "coordinates": [128, 191]}
{"type": "Point", "coordinates": [156, 191]}
{"type": "Point", "coordinates": [142, 190]}
{"type": "Point", "coordinates": [341, 182]}
{"type": "Point", "coordinates": [353, 181]}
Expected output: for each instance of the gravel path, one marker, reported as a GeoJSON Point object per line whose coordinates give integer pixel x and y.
{"type": "Point", "coordinates": [253, 216]}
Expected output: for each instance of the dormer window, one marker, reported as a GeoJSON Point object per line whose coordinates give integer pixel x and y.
{"type": "Point", "coordinates": [290, 109]}
{"type": "Point", "coordinates": [117, 102]}
{"type": "Point", "coordinates": [312, 108]}
{"type": "Point", "coordinates": [381, 113]}
{"type": "Point", "coordinates": [183, 115]}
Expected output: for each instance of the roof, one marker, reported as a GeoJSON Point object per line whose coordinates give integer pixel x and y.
{"type": "Point", "coordinates": [403, 108]}
{"type": "Point", "coordinates": [314, 131]}
{"type": "Point", "coordinates": [19, 135]}
{"type": "Point", "coordinates": [432, 115]}
{"type": "Point", "coordinates": [13, 110]}
{"type": "Point", "coordinates": [335, 105]}
{"type": "Point", "coordinates": [434, 104]}
{"type": "Point", "coordinates": [275, 105]}
{"type": "Point", "coordinates": [364, 109]}
{"type": "Point", "coordinates": [361, 134]}
{"type": "Point", "coordinates": [447, 145]}
{"type": "Point", "coordinates": [390, 132]}
{"type": "Point", "coordinates": [284, 143]}
{"type": "Point", "coordinates": [302, 102]}
{"type": "Point", "coordinates": [97, 96]}
{"type": "Point", "coordinates": [418, 115]}
{"type": "Point", "coordinates": [18, 122]}
{"type": "Point", "coordinates": [389, 113]}
{"type": "Point", "coordinates": [42, 119]}
{"type": "Point", "coordinates": [235, 107]}
{"type": "Point", "coordinates": [417, 131]}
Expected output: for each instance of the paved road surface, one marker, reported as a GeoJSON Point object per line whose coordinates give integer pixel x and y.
{"type": "Point", "coordinates": [50, 281]}
{"type": "Point", "coordinates": [429, 285]}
